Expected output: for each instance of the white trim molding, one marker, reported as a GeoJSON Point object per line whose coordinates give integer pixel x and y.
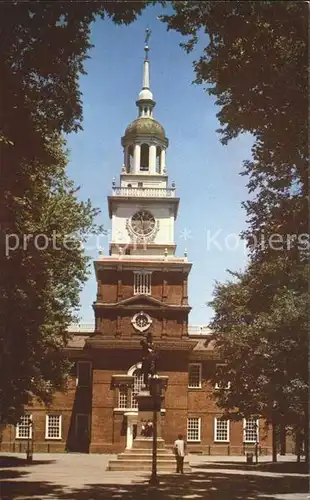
{"type": "Point", "coordinates": [194, 366]}
{"type": "Point", "coordinates": [24, 424]}
{"type": "Point", "coordinates": [216, 429]}
{"type": "Point", "coordinates": [189, 429]}
{"type": "Point", "coordinates": [252, 429]}
{"type": "Point", "coordinates": [59, 426]}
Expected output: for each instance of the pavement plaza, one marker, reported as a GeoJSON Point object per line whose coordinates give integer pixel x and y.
{"type": "Point", "coordinates": [84, 477]}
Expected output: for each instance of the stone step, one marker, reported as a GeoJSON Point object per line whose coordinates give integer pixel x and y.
{"type": "Point", "coordinates": [144, 451]}
{"type": "Point", "coordinates": [144, 465]}
{"type": "Point", "coordinates": [145, 456]}
{"type": "Point", "coordinates": [147, 443]}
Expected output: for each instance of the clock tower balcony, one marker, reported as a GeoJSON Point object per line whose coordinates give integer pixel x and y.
{"type": "Point", "coordinates": [143, 192]}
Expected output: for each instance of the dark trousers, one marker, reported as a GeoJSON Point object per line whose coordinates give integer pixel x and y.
{"type": "Point", "coordinates": [180, 461]}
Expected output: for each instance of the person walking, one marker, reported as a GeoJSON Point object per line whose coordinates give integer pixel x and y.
{"type": "Point", "coordinates": [179, 450]}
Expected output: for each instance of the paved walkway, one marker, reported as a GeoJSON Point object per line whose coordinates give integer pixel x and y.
{"type": "Point", "coordinates": [84, 477]}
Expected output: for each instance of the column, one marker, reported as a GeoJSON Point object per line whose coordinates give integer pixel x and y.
{"type": "Point", "coordinates": [129, 436]}
{"type": "Point", "coordinates": [99, 284]}
{"type": "Point", "coordinates": [119, 289]}
{"type": "Point", "coordinates": [118, 326]}
{"type": "Point", "coordinates": [126, 158]}
{"type": "Point", "coordinates": [164, 289]}
{"type": "Point", "coordinates": [136, 158]}
{"type": "Point", "coordinates": [152, 159]}
{"type": "Point", "coordinates": [185, 293]}
{"type": "Point", "coordinates": [162, 160]}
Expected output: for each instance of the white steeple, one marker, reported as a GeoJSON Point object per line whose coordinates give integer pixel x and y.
{"type": "Point", "coordinates": [143, 207]}
{"type": "Point", "coordinates": [145, 101]}
{"type": "Point", "coordinates": [146, 93]}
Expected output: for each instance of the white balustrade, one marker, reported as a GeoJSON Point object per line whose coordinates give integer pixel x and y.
{"type": "Point", "coordinates": [144, 192]}
{"type": "Point", "coordinates": [89, 327]}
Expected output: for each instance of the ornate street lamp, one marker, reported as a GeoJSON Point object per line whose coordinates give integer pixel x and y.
{"type": "Point", "coordinates": [155, 390]}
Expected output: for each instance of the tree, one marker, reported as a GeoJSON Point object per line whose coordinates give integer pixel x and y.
{"type": "Point", "coordinates": [260, 325]}
{"type": "Point", "coordinates": [255, 65]}
{"type": "Point", "coordinates": [44, 46]}
{"type": "Point", "coordinates": [45, 266]}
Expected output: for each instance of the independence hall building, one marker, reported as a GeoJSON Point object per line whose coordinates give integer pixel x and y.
{"type": "Point", "coordinates": [142, 288]}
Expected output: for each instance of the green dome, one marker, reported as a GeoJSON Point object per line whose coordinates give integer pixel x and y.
{"type": "Point", "coordinates": [145, 126]}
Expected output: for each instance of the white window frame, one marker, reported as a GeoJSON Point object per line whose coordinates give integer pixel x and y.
{"type": "Point", "coordinates": [77, 372]}
{"type": "Point", "coordinates": [189, 440]}
{"type": "Point", "coordinates": [244, 431]}
{"type": "Point", "coordinates": [200, 372]}
{"type": "Point", "coordinates": [17, 429]}
{"type": "Point", "coordinates": [138, 383]}
{"type": "Point", "coordinates": [216, 439]}
{"type": "Point", "coordinates": [59, 424]}
{"type": "Point", "coordinates": [142, 283]}
{"type": "Point", "coordinates": [122, 392]}
{"type": "Point", "coordinates": [217, 385]}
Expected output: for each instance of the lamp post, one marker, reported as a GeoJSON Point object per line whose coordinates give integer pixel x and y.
{"type": "Point", "coordinates": [155, 390]}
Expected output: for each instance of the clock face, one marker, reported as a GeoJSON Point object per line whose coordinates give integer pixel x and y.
{"type": "Point", "coordinates": [142, 321]}
{"type": "Point", "coordinates": [143, 223]}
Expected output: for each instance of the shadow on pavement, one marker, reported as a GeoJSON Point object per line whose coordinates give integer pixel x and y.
{"type": "Point", "coordinates": [197, 485]}
{"type": "Point", "coordinates": [12, 461]}
{"type": "Point", "coordinates": [278, 467]}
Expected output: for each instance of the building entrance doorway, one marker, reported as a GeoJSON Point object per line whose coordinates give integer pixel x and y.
{"type": "Point", "coordinates": [82, 432]}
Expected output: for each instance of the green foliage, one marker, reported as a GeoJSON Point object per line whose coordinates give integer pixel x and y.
{"type": "Point", "coordinates": [43, 50]}
{"type": "Point", "coordinates": [40, 283]}
{"type": "Point", "coordinates": [261, 324]}
{"type": "Point", "coordinates": [255, 64]}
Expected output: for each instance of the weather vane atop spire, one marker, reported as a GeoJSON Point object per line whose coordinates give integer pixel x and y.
{"type": "Point", "coordinates": [147, 37]}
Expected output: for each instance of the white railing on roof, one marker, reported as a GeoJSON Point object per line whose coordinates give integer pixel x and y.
{"type": "Point", "coordinates": [90, 327]}
{"type": "Point", "coordinates": [81, 327]}
{"type": "Point", "coordinates": [199, 330]}
{"type": "Point", "coordinates": [144, 192]}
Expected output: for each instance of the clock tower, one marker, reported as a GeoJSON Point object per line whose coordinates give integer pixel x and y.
{"type": "Point", "coordinates": [142, 284]}
{"type": "Point", "coordinates": [143, 207]}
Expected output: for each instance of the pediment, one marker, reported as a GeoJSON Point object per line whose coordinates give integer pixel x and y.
{"type": "Point", "coordinates": [141, 300]}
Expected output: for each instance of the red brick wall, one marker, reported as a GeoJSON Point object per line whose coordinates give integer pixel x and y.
{"type": "Point", "coordinates": [107, 425]}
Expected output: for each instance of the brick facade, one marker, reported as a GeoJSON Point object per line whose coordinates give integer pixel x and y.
{"type": "Point", "coordinates": [112, 350]}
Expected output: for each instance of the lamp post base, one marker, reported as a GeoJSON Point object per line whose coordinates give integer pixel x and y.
{"type": "Point", "coordinates": [154, 481]}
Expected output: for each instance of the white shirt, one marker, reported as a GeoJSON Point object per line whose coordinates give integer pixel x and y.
{"type": "Point", "coordinates": [180, 447]}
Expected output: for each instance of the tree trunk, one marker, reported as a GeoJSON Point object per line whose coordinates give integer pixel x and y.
{"type": "Point", "coordinates": [298, 445]}
{"type": "Point", "coordinates": [306, 434]}
{"type": "Point", "coordinates": [282, 439]}
{"type": "Point", "coordinates": [274, 440]}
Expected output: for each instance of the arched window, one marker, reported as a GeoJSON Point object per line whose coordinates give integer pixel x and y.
{"type": "Point", "coordinates": [158, 160]}
{"type": "Point", "coordinates": [134, 371]}
{"type": "Point", "coordinates": [137, 386]}
{"type": "Point", "coordinates": [144, 162]}
{"type": "Point", "coordinates": [129, 162]}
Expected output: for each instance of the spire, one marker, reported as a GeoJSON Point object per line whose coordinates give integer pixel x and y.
{"type": "Point", "coordinates": [146, 68]}
{"type": "Point", "coordinates": [145, 101]}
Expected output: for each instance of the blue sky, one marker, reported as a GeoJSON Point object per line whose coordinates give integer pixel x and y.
{"type": "Point", "coordinates": [206, 173]}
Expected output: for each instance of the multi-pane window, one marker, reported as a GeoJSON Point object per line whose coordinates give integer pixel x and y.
{"type": "Point", "coordinates": [83, 373]}
{"type": "Point", "coordinates": [142, 283]}
{"type": "Point", "coordinates": [221, 430]}
{"type": "Point", "coordinates": [193, 429]}
{"type": "Point", "coordinates": [194, 375]}
{"type": "Point", "coordinates": [220, 384]}
{"type": "Point", "coordinates": [122, 397]}
{"type": "Point", "coordinates": [250, 430]}
{"type": "Point", "coordinates": [53, 427]}
{"type": "Point", "coordinates": [137, 385]}
{"type": "Point", "coordinates": [24, 427]}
